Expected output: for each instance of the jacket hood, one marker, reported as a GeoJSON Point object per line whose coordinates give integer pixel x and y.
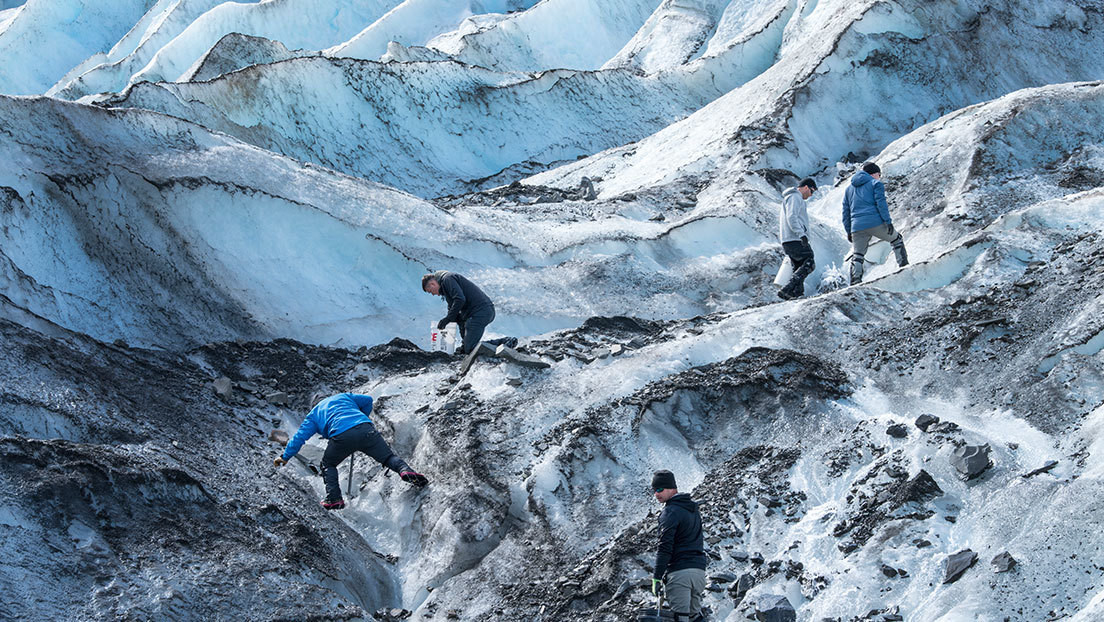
{"type": "Point", "coordinates": [684, 501]}
{"type": "Point", "coordinates": [788, 191]}
{"type": "Point", "coordinates": [861, 179]}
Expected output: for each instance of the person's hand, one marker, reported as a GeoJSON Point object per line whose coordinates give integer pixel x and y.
{"type": "Point", "coordinates": [848, 237]}
{"type": "Point", "coordinates": [655, 586]}
{"type": "Point", "coordinates": [442, 324]}
{"type": "Point", "coordinates": [279, 462]}
{"type": "Point", "coordinates": [805, 239]}
{"type": "Point", "coordinates": [889, 229]}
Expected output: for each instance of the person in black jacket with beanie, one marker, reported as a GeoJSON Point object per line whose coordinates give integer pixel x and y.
{"type": "Point", "coordinates": [468, 306]}
{"type": "Point", "coordinates": [681, 553]}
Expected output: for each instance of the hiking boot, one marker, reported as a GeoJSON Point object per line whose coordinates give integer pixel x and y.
{"type": "Point", "coordinates": [785, 294]}
{"type": "Point", "coordinates": [413, 477]}
{"type": "Point", "coordinates": [334, 505]}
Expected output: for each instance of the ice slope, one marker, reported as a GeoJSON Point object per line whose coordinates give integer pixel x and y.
{"type": "Point", "coordinates": [182, 33]}
{"type": "Point", "coordinates": [790, 401]}
{"type": "Point", "coordinates": [415, 22]}
{"type": "Point", "coordinates": [427, 128]}
{"type": "Point", "coordinates": [43, 39]}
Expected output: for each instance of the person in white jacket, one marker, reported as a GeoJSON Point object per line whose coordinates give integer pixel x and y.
{"type": "Point", "coordinates": [793, 232]}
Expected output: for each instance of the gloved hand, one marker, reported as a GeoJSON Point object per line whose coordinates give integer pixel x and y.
{"type": "Point", "coordinates": [805, 239]}
{"type": "Point", "coordinates": [889, 229]}
{"type": "Point", "coordinates": [849, 237]}
{"type": "Point", "coordinates": [279, 461]}
{"type": "Point", "coordinates": [442, 324]}
{"type": "Point", "coordinates": [655, 586]}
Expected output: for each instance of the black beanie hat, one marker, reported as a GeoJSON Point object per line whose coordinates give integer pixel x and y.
{"type": "Point", "coordinates": [663, 479]}
{"type": "Point", "coordinates": [871, 168]}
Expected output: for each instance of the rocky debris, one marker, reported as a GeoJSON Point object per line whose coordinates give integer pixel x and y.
{"type": "Point", "coordinates": [1003, 562]}
{"type": "Point", "coordinates": [943, 427]}
{"type": "Point", "coordinates": [774, 608]}
{"type": "Point", "coordinates": [278, 436]}
{"type": "Point", "coordinates": [889, 571]}
{"type": "Point", "coordinates": [224, 388]}
{"type": "Point", "coordinates": [1046, 468]}
{"type": "Point", "coordinates": [740, 588]}
{"type": "Point", "coordinates": [513, 381]}
{"type": "Point", "coordinates": [723, 577]}
{"type": "Point", "coordinates": [971, 460]}
{"type": "Point", "coordinates": [925, 421]}
{"type": "Point", "coordinates": [955, 565]}
{"type": "Point", "coordinates": [392, 615]}
{"type": "Point", "coordinates": [614, 334]}
{"type": "Point", "coordinates": [895, 500]}
{"type": "Point", "coordinates": [480, 350]}
{"type": "Point", "coordinates": [897, 430]}
{"type": "Point", "coordinates": [277, 398]}
{"type": "Point", "coordinates": [525, 360]}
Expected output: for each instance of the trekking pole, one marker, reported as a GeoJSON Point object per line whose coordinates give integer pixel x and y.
{"type": "Point", "coordinates": [349, 488]}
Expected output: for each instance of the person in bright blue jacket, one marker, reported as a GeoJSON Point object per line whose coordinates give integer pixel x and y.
{"type": "Point", "coordinates": [343, 420]}
{"type": "Point", "coordinates": [866, 216]}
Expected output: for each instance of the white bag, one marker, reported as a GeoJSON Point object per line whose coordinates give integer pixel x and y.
{"type": "Point", "coordinates": [785, 271]}
{"type": "Point", "coordinates": [443, 340]}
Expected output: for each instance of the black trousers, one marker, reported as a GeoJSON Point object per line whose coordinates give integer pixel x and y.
{"type": "Point", "coordinates": [801, 256]}
{"type": "Point", "coordinates": [472, 327]}
{"type": "Point", "coordinates": [365, 438]}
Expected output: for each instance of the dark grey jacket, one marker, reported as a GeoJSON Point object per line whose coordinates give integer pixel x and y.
{"type": "Point", "coordinates": [680, 537]}
{"type": "Point", "coordinates": [461, 295]}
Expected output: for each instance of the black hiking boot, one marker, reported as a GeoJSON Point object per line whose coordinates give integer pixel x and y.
{"type": "Point", "coordinates": [785, 294]}
{"type": "Point", "coordinates": [413, 477]}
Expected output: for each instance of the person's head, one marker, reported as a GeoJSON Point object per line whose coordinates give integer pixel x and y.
{"type": "Point", "coordinates": [807, 187]}
{"type": "Point", "coordinates": [873, 170]}
{"type": "Point", "coordinates": [319, 395]}
{"type": "Point", "coordinates": [663, 485]}
{"type": "Point", "coordinates": [430, 285]}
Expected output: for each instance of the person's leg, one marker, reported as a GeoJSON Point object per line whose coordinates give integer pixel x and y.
{"type": "Point", "coordinates": [372, 443]}
{"type": "Point", "coordinates": [860, 241]}
{"type": "Point", "coordinates": [697, 587]}
{"type": "Point", "coordinates": [678, 588]}
{"type": "Point", "coordinates": [802, 258]}
{"type": "Point", "coordinates": [475, 325]}
{"type": "Point", "coordinates": [337, 449]}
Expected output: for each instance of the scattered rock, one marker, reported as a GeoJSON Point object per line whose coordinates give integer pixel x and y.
{"type": "Point", "coordinates": [617, 349]}
{"type": "Point", "coordinates": [513, 381]}
{"type": "Point", "coordinates": [889, 571]}
{"type": "Point", "coordinates": [723, 577]}
{"type": "Point", "coordinates": [1046, 468]}
{"type": "Point", "coordinates": [278, 398]}
{"type": "Point", "coordinates": [943, 427]}
{"type": "Point", "coordinates": [774, 608]}
{"type": "Point", "coordinates": [897, 430]}
{"type": "Point", "coordinates": [971, 460]}
{"type": "Point", "coordinates": [741, 587]}
{"type": "Point", "coordinates": [770, 502]}
{"type": "Point", "coordinates": [926, 421]}
{"type": "Point", "coordinates": [921, 543]}
{"type": "Point", "coordinates": [278, 436]}
{"type": "Point", "coordinates": [1003, 562]}
{"type": "Point", "coordinates": [956, 564]}
{"type": "Point", "coordinates": [740, 556]}
{"type": "Point", "coordinates": [757, 558]}
{"type": "Point", "coordinates": [525, 360]}
{"type": "Point", "coordinates": [224, 388]}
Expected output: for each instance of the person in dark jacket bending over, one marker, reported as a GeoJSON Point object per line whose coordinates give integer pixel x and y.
{"type": "Point", "coordinates": [343, 420]}
{"type": "Point", "coordinates": [793, 232]}
{"type": "Point", "coordinates": [681, 554]}
{"type": "Point", "coordinates": [468, 306]}
{"type": "Point", "coordinates": [865, 216]}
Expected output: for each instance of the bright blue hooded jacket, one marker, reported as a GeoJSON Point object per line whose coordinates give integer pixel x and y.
{"type": "Point", "coordinates": [331, 417]}
{"type": "Point", "coordinates": [864, 204]}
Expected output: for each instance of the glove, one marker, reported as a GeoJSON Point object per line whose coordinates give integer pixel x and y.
{"type": "Point", "coordinates": [279, 462]}
{"type": "Point", "coordinates": [849, 237]}
{"type": "Point", "coordinates": [805, 239]}
{"type": "Point", "coordinates": [655, 586]}
{"type": "Point", "coordinates": [442, 324]}
{"type": "Point", "coordinates": [889, 229]}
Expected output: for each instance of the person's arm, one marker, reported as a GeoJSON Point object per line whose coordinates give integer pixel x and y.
{"type": "Point", "coordinates": [456, 295]}
{"type": "Point", "coordinates": [847, 212]}
{"type": "Point", "coordinates": [306, 430]}
{"type": "Point", "coordinates": [667, 528]}
{"type": "Point", "coordinates": [363, 402]}
{"type": "Point", "coordinates": [880, 202]}
{"type": "Point", "coordinates": [798, 219]}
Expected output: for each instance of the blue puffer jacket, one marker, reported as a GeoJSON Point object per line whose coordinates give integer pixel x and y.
{"type": "Point", "coordinates": [331, 417]}
{"type": "Point", "coordinates": [864, 204]}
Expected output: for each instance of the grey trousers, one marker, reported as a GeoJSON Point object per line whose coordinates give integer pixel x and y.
{"type": "Point", "coordinates": [860, 241]}
{"type": "Point", "coordinates": [684, 591]}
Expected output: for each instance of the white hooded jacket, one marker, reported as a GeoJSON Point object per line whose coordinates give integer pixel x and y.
{"type": "Point", "coordinates": [793, 220]}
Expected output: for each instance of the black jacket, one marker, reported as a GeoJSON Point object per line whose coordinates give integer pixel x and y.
{"type": "Point", "coordinates": [680, 537]}
{"type": "Point", "coordinates": [461, 295]}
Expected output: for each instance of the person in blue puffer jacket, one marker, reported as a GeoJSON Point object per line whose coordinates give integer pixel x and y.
{"type": "Point", "coordinates": [865, 216]}
{"type": "Point", "coordinates": [343, 420]}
